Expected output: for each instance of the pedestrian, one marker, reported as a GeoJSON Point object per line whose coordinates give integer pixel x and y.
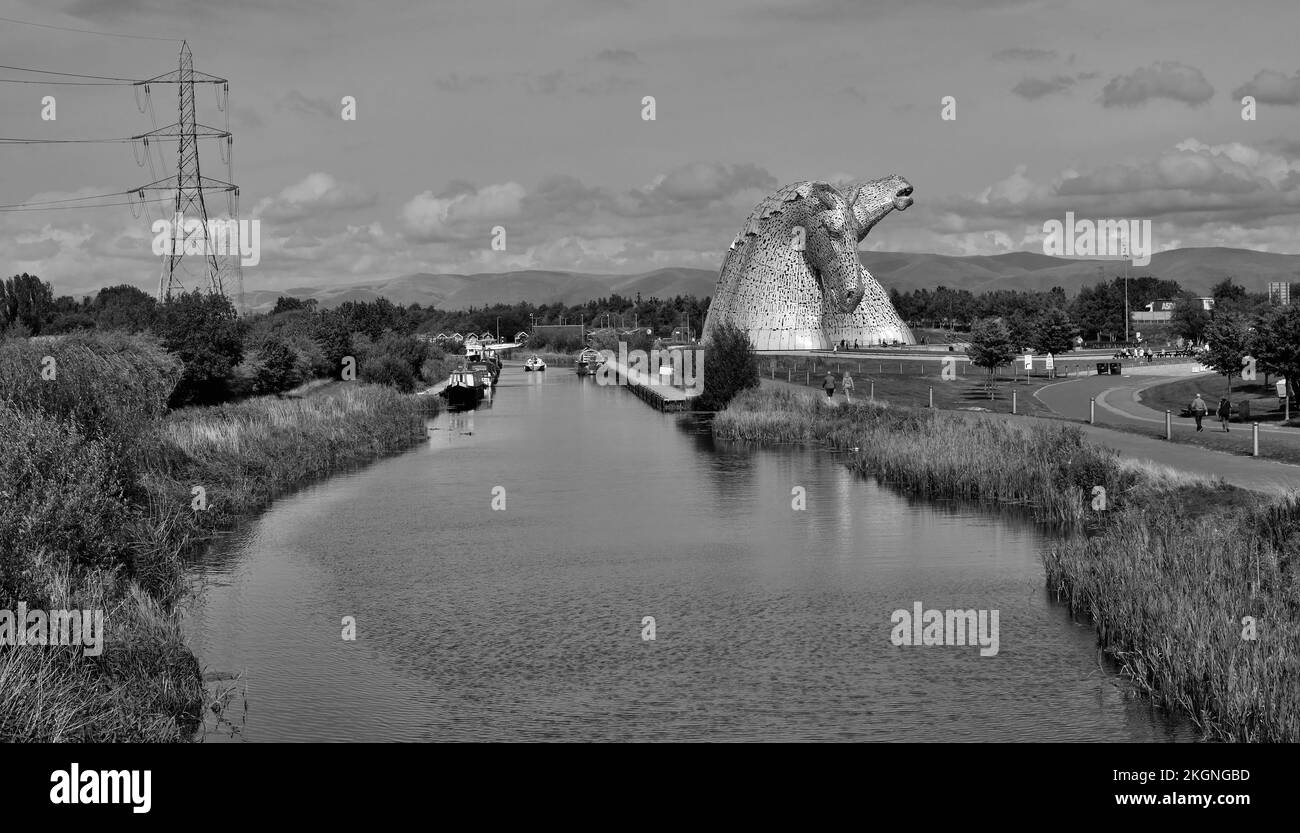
{"type": "Point", "coordinates": [847, 384]}
{"type": "Point", "coordinates": [1225, 411]}
{"type": "Point", "coordinates": [1199, 409]}
{"type": "Point", "coordinates": [829, 385]}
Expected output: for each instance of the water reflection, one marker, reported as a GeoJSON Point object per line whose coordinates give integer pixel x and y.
{"type": "Point", "coordinates": [524, 622]}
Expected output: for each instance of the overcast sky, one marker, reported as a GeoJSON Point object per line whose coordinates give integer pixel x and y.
{"type": "Point", "coordinates": [528, 115]}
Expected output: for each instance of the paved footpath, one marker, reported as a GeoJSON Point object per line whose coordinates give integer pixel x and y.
{"type": "Point", "coordinates": [1251, 473]}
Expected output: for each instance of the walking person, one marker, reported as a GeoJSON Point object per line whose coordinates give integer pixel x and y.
{"type": "Point", "coordinates": [829, 385]}
{"type": "Point", "coordinates": [1199, 409]}
{"type": "Point", "coordinates": [1224, 412]}
{"type": "Point", "coordinates": [847, 384]}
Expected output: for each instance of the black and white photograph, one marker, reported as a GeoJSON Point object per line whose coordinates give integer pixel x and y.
{"type": "Point", "coordinates": [597, 371]}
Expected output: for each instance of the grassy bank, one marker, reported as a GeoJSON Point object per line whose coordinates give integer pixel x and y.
{"type": "Point", "coordinates": [1047, 468]}
{"type": "Point", "coordinates": [909, 383]}
{"type": "Point", "coordinates": [96, 513]}
{"type": "Point", "coordinates": [1166, 573]}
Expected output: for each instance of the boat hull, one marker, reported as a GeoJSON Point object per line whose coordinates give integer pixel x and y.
{"type": "Point", "coordinates": [462, 397]}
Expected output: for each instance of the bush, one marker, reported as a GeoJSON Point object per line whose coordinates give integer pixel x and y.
{"type": "Point", "coordinates": [109, 384]}
{"type": "Point", "coordinates": [62, 502]}
{"type": "Point", "coordinates": [276, 368]}
{"type": "Point", "coordinates": [730, 366]}
{"type": "Point", "coordinates": [393, 359]}
{"type": "Point", "coordinates": [202, 330]}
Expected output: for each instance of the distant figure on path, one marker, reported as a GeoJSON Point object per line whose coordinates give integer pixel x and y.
{"type": "Point", "coordinates": [829, 384]}
{"type": "Point", "coordinates": [1225, 411]}
{"type": "Point", "coordinates": [847, 384]}
{"type": "Point", "coordinates": [1199, 409]}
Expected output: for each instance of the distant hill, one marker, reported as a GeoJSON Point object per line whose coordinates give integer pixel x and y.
{"type": "Point", "coordinates": [1196, 269]}
{"type": "Point", "coordinates": [535, 286]}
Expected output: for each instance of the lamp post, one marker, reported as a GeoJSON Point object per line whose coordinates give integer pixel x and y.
{"type": "Point", "coordinates": [1124, 251]}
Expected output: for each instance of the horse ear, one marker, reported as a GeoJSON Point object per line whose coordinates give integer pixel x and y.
{"type": "Point", "coordinates": [826, 194]}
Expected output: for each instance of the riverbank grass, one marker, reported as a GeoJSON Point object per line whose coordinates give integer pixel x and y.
{"type": "Point", "coordinates": [98, 511]}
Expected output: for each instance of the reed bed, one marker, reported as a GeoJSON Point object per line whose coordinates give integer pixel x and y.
{"type": "Point", "coordinates": [146, 686]}
{"type": "Point", "coordinates": [1169, 594]}
{"type": "Point", "coordinates": [243, 455]}
{"type": "Point", "coordinates": [1046, 468]}
{"type": "Point", "coordinates": [109, 384]}
{"type": "Point", "coordinates": [1166, 573]}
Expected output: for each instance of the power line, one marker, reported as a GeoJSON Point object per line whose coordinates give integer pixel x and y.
{"type": "Point", "coordinates": [68, 207]}
{"type": "Point", "coordinates": [66, 83]}
{"type": "Point", "coordinates": [69, 74]}
{"type": "Point", "coordinates": [6, 141]}
{"type": "Point", "coordinates": [157, 137]}
{"type": "Point", "coordinates": [70, 199]}
{"type": "Point", "coordinates": [85, 31]}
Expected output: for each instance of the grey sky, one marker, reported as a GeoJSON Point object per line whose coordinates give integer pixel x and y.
{"type": "Point", "coordinates": [528, 115]}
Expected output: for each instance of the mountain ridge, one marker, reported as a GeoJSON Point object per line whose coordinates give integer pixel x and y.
{"type": "Point", "coordinates": [1195, 268]}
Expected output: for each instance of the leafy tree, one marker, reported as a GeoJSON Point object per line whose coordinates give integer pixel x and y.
{"type": "Point", "coordinates": [1053, 332]}
{"type": "Point", "coordinates": [275, 368]}
{"type": "Point", "coordinates": [69, 322]}
{"type": "Point", "coordinates": [27, 300]}
{"type": "Point", "coordinates": [1021, 330]}
{"type": "Point", "coordinates": [991, 345]}
{"type": "Point", "coordinates": [1099, 309]}
{"type": "Point", "coordinates": [124, 308]}
{"type": "Point", "coordinates": [286, 303]}
{"type": "Point", "coordinates": [1189, 319]}
{"type": "Point", "coordinates": [1227, 292]}
{"type": "Point", "coordinates": [730, 366]}
{"type": "Point", "coordinates": [392, 359]}
{"type": "Point", "coordinates": [202, 330]}
{"type": "Point", "coordinates": [1231, 340]}
{"type": "Point", "coordinates": [331, 334]}
{"type": "Point", "coordinates": [1277, 344]}
{"type": "Point", "coordinates": [387, 369]}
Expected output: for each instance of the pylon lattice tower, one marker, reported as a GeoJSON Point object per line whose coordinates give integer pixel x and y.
{"type": "Point", "coordinates": [221, 271]}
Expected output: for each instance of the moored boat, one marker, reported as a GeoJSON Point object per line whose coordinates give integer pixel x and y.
{"type": "Point", "coordinates": [587, 362]}
{"type": "Point", "coordinates": [464, 389]}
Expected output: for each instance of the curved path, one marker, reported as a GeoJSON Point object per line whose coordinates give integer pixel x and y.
{"type": "Point", "coordinates": [1070, 399]}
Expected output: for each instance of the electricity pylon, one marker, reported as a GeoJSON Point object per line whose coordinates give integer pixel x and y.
{"type": "Point", "coordinates": [220, 270]}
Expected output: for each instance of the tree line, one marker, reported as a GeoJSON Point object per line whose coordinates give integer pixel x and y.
{"type": "Point", "coordinates": [1097, 311]}
{"type": "Point", "coordinates": [227, 356]}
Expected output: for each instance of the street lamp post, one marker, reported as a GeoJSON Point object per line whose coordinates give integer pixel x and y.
{"type": "Point", "coordinates": [1124, 251]}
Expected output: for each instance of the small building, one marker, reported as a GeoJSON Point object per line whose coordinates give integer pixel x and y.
{"type": "Point", "coordinates": [1161, 310]}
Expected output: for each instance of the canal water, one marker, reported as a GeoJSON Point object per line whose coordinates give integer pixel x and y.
{"type": "Point", "coordinates": [526, 621]}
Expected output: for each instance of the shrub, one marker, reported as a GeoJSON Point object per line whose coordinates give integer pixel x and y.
{"type": "Point", "coordinates": [730, 366]}
{"type": "Point", "coordinates": [108, 384]}
{"type": "Point", "coordinates": [202, 330]}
